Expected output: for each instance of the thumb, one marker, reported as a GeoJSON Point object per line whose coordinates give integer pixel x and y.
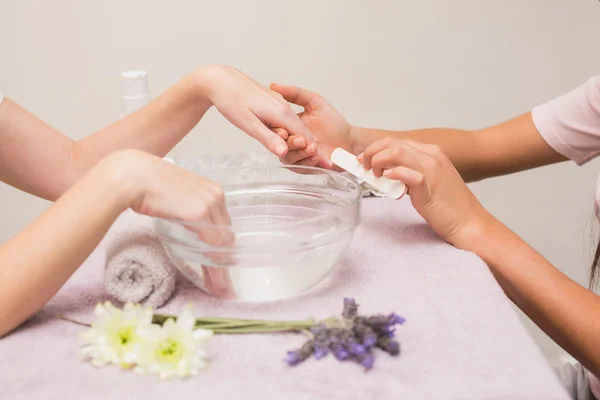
{"type": "Point", "coordinates": [293, 94]}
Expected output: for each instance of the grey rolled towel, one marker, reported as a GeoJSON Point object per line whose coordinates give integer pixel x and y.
{"type": "Point", "coordinates": [137, 268]}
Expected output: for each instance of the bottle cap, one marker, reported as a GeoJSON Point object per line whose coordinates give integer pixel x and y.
{"type": "Point", "coordinates": [134, 83]}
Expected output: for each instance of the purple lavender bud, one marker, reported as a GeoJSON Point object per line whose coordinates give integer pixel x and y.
{"type": "Point", "coordinates": [366, 360]}
{"type": "Point", "coordinates": [376, 321]}
{"type": "Point", "coordinates": [334, 339]}
{"type": "Point", "coordinates": [394, 319]}
{"type": "Point", "coordinates": [357, 349]}
{"type": "Point", "coordinates": [340, 353]}
{"type": "Point", "coordinates": [370, 340]}
{"type": "Point", "coordinates": [295, 357]}
{"type": "Point", "coordinates": [389, 332]}
{"type": "Point", "coordinates": [320, 351]}
{"type": "Point", "coordinates": [350, 308]}
{"type": "Point", "coordinates": [366, 334]}
{"type": "Point", "coordinates": [345, 335]}
{"type": "Point", "coordinates": [383, 325]}
{"type": "Point", "coordinates": [388, 345]}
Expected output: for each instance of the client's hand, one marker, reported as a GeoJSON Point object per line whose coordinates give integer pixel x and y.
{"type": "Point", "coordinates": [157, 188]}
{"type": "Point", "coordinates": [329, 127]}
{"type": "Point", "coordinates": [254, 109]}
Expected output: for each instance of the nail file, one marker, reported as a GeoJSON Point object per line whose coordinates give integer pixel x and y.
{"type": "Point", "coordinates": [348, 162]}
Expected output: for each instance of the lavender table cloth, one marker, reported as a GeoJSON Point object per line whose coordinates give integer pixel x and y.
{"type": "Point", "coordinates": [462, 339]}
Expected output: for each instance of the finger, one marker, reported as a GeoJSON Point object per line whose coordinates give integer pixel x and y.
{"type": "Point", "coordinates": [433, 159]}
{"type": "Point", "coordinates": [409, 177]}
{"type": "Point", "coordinates": [294, 156]}
{"type": "Point", "coordinates": [204, 230]}
{"type": "Point", "coordinates": [207, 217]}
{"type": "Point", "coordinates": [217, 281]}
{"type": "Point", "coordinates": [365, 157]}
{"type": "Point", "coordinates": [220, 215]}
{"type": "Point", "coordinates": [296, 142]}
{"type": "Point", "coordinates": [292, 123]}
{"type": "Point", "coordinates": [405, 156]}
{"type": "Point", "coordinates": [272, 141]}
{"type": "Point", "coordinates": [309, 162]}
{"type": "Point", "coordinates": [221, 227]}
{"type": "Point", "coordinates": [282, 133]}
{"type": "Point", "coordinates": [293, 94]}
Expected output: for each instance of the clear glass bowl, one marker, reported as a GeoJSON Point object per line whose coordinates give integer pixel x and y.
{"type": "Point", "coordinates": [291, 225]}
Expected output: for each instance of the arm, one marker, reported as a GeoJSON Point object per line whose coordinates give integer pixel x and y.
{"type": "Point", "coordinates": [563, 309]}
{"type": "Point", "coordinates": [40, 160]}
{"type": "Point", "coordinates": [37, 262]}
{"type": "Point", "coordinates": [566, 311]}
{"type": "Point", "coordinates": [509, 147]}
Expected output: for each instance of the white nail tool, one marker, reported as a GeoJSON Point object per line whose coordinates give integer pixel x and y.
{"type": "Point", "coordinates": [348, 162]}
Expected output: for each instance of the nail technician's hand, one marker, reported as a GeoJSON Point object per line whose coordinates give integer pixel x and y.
{"type": "Point", "coordinates": [160, 189]}
{"type": "Point", "coordinates": [329, 127]}
{"type": "Point", "coordinates": [254, 109]}
{"type": "Point", "coordinates": [436, 189]}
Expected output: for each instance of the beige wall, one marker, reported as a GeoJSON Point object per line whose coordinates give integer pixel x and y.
{"type": "Point", "coordinates": [391, 64]}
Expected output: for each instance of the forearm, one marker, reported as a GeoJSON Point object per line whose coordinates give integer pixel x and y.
{"type": "Point", "coordinates": [42, 161]}
{"type": "Point", "coordinates": [509, 147]}
{"type": "Point", "coordinates": [154, 129]}
{"type": "Point", "coordinates": [456, 144]}
{"type": "Point", "coordinates": [566, 311]}
{"type": "Point", "coordinates": [38, 261]}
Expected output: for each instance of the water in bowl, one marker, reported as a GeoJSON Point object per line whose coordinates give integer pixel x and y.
{"type": "Point", "coordinates": [291, 268]}
{"type": "Point", "coordinates": [291, 229]}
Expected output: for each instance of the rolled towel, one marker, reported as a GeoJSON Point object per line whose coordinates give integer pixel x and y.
{"type": "Point", "coordinates": [137, 269]}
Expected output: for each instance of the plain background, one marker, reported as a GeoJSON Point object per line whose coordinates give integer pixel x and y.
{"type": "Point", "coordinates": [396, 64]}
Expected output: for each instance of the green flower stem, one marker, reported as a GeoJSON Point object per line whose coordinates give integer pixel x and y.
{"type": "Point", "coordinates": [233, 326]}
{"type": "Point", "coordinates": [237, 326]}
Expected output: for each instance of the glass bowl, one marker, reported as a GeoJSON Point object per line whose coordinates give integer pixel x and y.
{"type": "Point", "coordinates": [291, 225]}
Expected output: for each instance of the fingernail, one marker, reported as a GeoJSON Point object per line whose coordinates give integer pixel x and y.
{"type": "Point", "coordinates": [280, 149]}
{"type": "Point", "coordinates": [387, 172]}
{"type": "Point", "coordinates": [311, 148]}
{"type": "Point", "coordinates": [299, 142]}
{"type": "Point", "coordinates": [360, 157]}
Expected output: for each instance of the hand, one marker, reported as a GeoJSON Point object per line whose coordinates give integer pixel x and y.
{"type": "Point", "coordinates": [160, 189]}
{"type": "Point", "coordinates": [255, 109]}
{"type": "Point", "coordinates": [329, 127]}
{"type": "Point", "coordinates": [436, 189]}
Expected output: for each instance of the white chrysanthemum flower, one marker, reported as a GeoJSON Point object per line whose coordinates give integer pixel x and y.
{"type": "Point", "coordinates": [114, 336]}
{"type": "Point", "coordinates": [173, 350]}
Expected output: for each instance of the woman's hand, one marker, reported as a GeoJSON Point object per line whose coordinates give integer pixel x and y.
{"type": "Point", "coordinates": [255, 109]}
{"type": "Point", "coordinates": [329, 127]}
{"type": "Point", "coordinates": [436, 189]}
{"type": "Point", "coordinates": [160, 189]}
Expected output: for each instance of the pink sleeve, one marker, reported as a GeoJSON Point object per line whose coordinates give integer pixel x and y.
{"type": "Point", "coordinates": [594, 385]}
{"type": "Point", "coordinates": [570, 124]}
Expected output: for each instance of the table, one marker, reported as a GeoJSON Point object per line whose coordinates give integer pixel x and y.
{"type": "Point", "coordinates": [462, 339]}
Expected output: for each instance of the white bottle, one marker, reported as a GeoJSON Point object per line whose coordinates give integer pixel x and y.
{"type": "Point", "coordinates": [135, 92]}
